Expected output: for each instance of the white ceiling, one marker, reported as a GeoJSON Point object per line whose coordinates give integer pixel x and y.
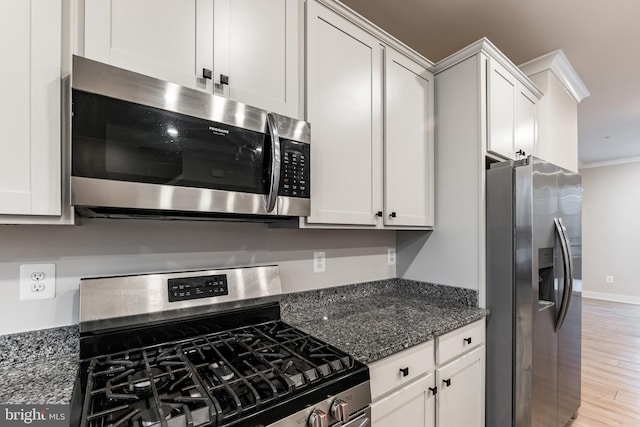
{"type": "Point", "coordinates": [600, 38]}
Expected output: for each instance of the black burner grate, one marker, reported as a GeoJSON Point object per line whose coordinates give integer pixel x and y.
{"type": "Point", "coordinates": [215, 379]}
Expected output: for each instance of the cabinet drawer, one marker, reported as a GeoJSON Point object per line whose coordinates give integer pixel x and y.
{"type": "Point", "coordinates": [459, 341]}
{"type": "Point", "coordinates": [389, 373]}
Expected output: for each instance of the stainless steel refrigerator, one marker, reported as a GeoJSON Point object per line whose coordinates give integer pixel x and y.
{"type": "Point", "coordinates": [534, 243]}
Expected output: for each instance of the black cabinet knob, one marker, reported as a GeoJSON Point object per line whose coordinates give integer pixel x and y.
{"type": "Point", "coordinates": [379, 214]}
{"type": "Point", "coordinates": [224, 80]}
{"type": "Point", "coordinates": [433, 390]}
{"type": "Point", "coordinates": [392, 214]}
{"type": "Point", "coordinates": [404, 371]}
{"type": "Point", "coordinates": [447, 382]}
{"type": "Point", "coordinates": [521, 152]}
{"type": "Point", "coordinates": [207, 74]}
{"type": "Point", "coordinates": [467, 340]}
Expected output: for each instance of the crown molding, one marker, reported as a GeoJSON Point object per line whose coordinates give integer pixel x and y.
{"type": "Point", "coordinates": [485, 46]}
{"type": "Point", "coordinates": [613, 162]}
{"type": "Point", "coordinates": [383, 36]}
{"type": "Point", "coordinates": [560, 66]}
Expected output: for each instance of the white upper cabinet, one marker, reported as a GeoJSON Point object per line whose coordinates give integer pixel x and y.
{"type": "Point", "coordinates": [511, 114]}
{"type": "Point", "coordinates": [502, 89]}
{"type": "Point", "coordinates": [247, 50]}
{"type": "Point", "coordinates": [557, 118]}
{"type": "Point", "coordinates": [258, 45]}
{"type": "Point", "coordinates": [526, 129]}
{"type": "Point", "coordinates": [370, 106]}
{"type": "Point", "coordinates": [408, 147]}
{"type": "Point", "coordinates": [158, 38]}
{"type": "Point", "coordinates": [344, 89]}
{"type": "Point", "coordinates": [30, 83]}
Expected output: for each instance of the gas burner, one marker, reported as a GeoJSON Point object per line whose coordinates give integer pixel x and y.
{"type": "Point", "coordinates": [142, 379]}
{"type": "Point", "coordinates": [151, 417]}
{"type": "Point", "coordinates": [222, 371]}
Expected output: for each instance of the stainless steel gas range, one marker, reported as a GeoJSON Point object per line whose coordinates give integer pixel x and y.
{"type": "Point", "coordinates": [207, 348]}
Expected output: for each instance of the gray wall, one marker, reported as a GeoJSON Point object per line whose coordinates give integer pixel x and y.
{"type": "Point", "coordinates": [111, 247]}
{"type": "Point", "coordinates": [611, 234]}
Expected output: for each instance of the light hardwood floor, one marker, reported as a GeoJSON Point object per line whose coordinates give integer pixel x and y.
{"type": "Point", "coordinates": [610, 365]}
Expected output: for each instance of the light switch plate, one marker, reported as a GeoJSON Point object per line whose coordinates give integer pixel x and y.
{"type": "Point", "coordinates": [37, 281]}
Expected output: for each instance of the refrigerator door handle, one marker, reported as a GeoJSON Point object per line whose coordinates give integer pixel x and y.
{"type": "Point", "coordinates": [567, 266]}
{"type": "Point", "coordinates": [569, 260]}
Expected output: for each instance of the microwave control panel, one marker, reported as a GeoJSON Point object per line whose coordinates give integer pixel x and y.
{"type": "Point", "coordinates": [188, 288]}
{"type": "Point", "coordinates": [294, 173]}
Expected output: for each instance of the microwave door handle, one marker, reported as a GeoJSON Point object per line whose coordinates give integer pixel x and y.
{"type": "Point", "coordinates": [274, 184]}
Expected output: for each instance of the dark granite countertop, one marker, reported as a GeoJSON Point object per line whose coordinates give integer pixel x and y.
{"type": "Point", "coordinates": [371, 321]}
{"type": "Point", "coordinates": [368, 320]}
{"type": "Point", "coordinates": [39, 367]}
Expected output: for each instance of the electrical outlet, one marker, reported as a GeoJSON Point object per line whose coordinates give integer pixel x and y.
{"type": "Point", "coordinates": [609, 279]}
{"type": "Point", "coordinates": [391, 256]}
{"type": "Point", "coordinates": [37, 281]}
{"type": "Point", "coordinates": [319, 262]}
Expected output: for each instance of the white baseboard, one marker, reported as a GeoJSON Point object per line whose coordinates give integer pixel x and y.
{"type": "Point", "coordinates": [629, 299]}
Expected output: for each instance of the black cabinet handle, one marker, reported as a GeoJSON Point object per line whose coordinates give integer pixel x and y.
{"type": "Point", "coordinates": [404, 371]}
{"type": "Point", "coordinates": [224, 80]}
{"type": "Point", "coordinates": [447, 382]}
{"type": "Point", "coordinates": [433, 390]}
{"type": "Point", "coordinates": [521, 152]}
{"type": "Point", "coordinates": [207, 74]}
{"type": "Point", "coordinates": [379, 214]}
{"type": "Point", "coordinates": [392, 214]}
{"type": "Point", "coordinates": [467, 340]}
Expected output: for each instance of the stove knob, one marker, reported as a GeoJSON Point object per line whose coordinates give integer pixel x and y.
{"type": "Point", "coordinates": [317, 419]}
{"type": "Point", "coordinates": [340, 410]}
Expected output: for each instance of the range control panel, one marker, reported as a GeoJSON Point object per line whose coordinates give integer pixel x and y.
{"type": "Point", "coordinates": [295, 169]}
{"type": "Point", "coordinates": [197, 287]}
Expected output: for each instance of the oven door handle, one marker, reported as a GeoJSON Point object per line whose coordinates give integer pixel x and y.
{"type": "Point", "coordinates": [274, 182]}
{"type": "Point", "coordinates": [361, 421]}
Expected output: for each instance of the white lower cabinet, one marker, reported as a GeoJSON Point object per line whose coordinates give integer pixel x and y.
{"type": "Point", "coordinates": [461, 391]}
{"type": "Point", "coordinates": [408, 389]}
{"type": "Point", "coordinates": [411, 406]}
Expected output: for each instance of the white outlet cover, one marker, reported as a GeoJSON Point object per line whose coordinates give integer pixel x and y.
{"type": "Point", "coordinates": [391, 256]}
{"type": "Point", "coordinates": [319, 262]}
{"type": "Point", "coordinates": [48, 284]}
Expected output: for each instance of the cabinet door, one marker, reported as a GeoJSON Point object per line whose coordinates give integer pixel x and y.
{"type": "Point", "coordinates": [30, 42]}
{"type": "Point", "coordinates": [408, 142]}
{"type": "Point", "coordinates": [344, 87]}
{"type": "Point", "coordinates": [502, 89]}
{"type": "Point", "coordinates": [257, 45]}
{"type": "Point", "coordinates": [525, 122]}
{"type": "Point", "coordinates": [166, 39]}
{"type": "Point", "coordinates": [411, 406]}
{"type": "Point", "coordinates": [461, 391]}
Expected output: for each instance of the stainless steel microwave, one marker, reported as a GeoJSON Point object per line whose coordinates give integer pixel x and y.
{"type": "Point", "coordinates": [144, 147]}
